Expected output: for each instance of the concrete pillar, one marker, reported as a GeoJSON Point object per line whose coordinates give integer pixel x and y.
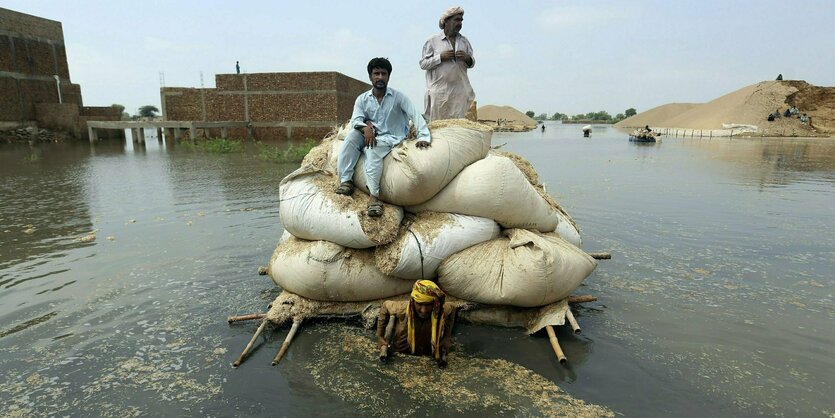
{"type": "Point", "coordinates": [159, 134]}
{"type": "Point", "coordinates": [134, 135]}
{"type": "Point", "coordinates": [176, 133]}
{"type": "Point", "coordinates": [141, 135]}
{"type": "Point", "coordinates": [192, 133]}
{"type": "Point", "coordinates": [92, 134]}
{"type": "Point", "coordinates": [223, 133]}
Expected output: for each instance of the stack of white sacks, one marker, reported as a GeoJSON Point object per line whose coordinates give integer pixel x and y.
{"type": "Point", "coordinates": [475, 219]}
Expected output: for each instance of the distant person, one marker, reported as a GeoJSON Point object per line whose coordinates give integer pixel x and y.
{"type": "Point", "coordinates": [647, 129]}
{"type": "Point", "coordinates": [804, 119]}
{"type": "Point", "coordinates": [777, 114]}
{"type": "Point", "coordinates": [381, 121]}
{"type": "Point", "coordinates": [237, 67]}
{"type": "Point", "coordinates": [787, 113]}
{"type": "Point", "coordinates": [424, 323]}
{"type": "Point", "coordinates": [794, 111]}
{"type": "Point", "coordinates": [779, 77]}
{"type": "Point", "coordinates": [543, 127]}
{"type": "Point", "coordinates": [446, 58]}
{"type": "Point", "coordinates": [770, 117]}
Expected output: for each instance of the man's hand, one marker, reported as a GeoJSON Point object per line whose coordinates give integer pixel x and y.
{"type": "Point", "coordinates": [461, 55]}
{"type": "Point", "coordinates": [423, 144]}
{"type": "Point", "coordinates": [447, 55]}
{"type": "Point", "coordinates": [370, 136]}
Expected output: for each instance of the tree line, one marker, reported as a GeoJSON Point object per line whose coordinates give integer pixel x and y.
{"type": "Point", "coordinates": [147, 111]}
{"type": "Point", "coordinates": [601, 116]}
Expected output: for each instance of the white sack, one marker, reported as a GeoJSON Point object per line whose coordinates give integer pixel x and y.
{"type": "Point", "coordinates": [326, 271]}
{"type": "Point", "coordinates": [412, 175]}
{"type": "Point", "coordinates": [310, 209]}
{"type": "Point", "coordinates": [495, 188]}
{"type": "Point", "coordinates": [522, 268]}
{"type": "Point", "coordinates": [429, 239]}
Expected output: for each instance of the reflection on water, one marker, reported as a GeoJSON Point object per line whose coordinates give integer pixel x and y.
{"type": "Point", "coordinates": [119, 264]}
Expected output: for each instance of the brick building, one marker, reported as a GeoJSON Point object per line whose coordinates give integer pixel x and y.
{"type": "Point", "coordinates": [33, 69]}
{"type": "Point", "coordinates": [277, 105]}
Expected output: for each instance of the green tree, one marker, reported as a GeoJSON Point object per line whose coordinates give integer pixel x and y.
{"type": "Point", "coordinates": [630, 112]}
{"type": "Point", "coordinates": [530, 113]}
{"type": "Point", "coordinates": [602, 115]}
{"type": "Point", "coordinates": [148, 111]}
{"type": "Point", "coordinates": [121, 108]}
{"type": "Point", "coordinates": [542, 116]}
{"type": "Point", "coordinates": [559, 116]}
{"type": "Point", "coordinates": [619, 117]}
{"type": "Point", "coordinates": [578, 117]}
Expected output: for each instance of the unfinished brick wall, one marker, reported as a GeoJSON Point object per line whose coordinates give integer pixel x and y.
{"type": "Point", "coordinates": [32, 26]}
{"type": "Point", "coordinates": [10, 103]}
{"type": "Point", "coordinates": [280, 105]}
{"type": "Point", "coordinates": [32, 52]}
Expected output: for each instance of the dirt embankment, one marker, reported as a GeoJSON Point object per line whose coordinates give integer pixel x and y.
{"type": "Point", "coordinates": [750, 106]}
{"type": "Point", "coordinates": [505, 118]}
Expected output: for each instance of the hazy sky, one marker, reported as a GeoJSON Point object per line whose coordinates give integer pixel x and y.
{"type": "Point", "coordinates": [547, 56]}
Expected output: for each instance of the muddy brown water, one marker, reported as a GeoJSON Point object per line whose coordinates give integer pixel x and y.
{"type": "Point", "coordinates": [717, 302]}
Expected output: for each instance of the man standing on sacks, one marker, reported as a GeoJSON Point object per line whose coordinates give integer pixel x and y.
{"type": "Point", "coordinates": [381, 122]}
{"type": "Point", "coordinates": [446, 58]}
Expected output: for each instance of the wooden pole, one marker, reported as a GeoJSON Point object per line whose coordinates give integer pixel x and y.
{"type": "Point", "coordinates": [384, 350]}
{"type": "Point", "coordinates": [581, 298]}
{"type": "Point", "coordinates": [573, 322]}
{"type": "Point", "coordinates": [555, 344]}
{"type": "Point", "coordinates": [248, 317]}
{"type": "Point", "coordinates": [287, 342]}
{"type": "Point", "coordinates": [601, 256]}
{"type": "Point", "coordinates": [251, 343]}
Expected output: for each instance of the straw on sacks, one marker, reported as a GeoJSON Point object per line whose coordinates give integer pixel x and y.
{"type": "Point", "coordinates": [412, 175]}
{"type": "Point", "coordinates": [496, 188]}
{"type": "Point", "coordinates": [521, 268]}
{"type": "Point", "coordinates": [325, 271]}
{"type": "Point", "coordinates": [310, 209]}
{"type": "Point", "coordinates": [427, 239]}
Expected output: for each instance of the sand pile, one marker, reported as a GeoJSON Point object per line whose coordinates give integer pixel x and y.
{"type": "Point", "coordinates": [656, 114]}
{"type": "Point", "coordinates": [510, 117]}
{"type": "Point", "coordinates": [749, 106]}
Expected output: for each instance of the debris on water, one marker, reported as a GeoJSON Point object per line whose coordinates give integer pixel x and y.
{"type": "Point", "coordinates": [469, 385]}
{"type": "Point", "coordinates": [87, 238]}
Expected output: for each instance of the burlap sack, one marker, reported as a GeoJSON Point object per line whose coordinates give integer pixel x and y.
{"type": "Point", "coordinates": [522, 268]}
{"type": "Point", "coordinates": [310, 209]}
{"type": "Point", "coordinates": [495, 188]}
{"type": "Point", "coordinates": [411, 175]}
{"type": "Point", "coordinates": [428, 239]}
{"type": "Point", "coordinates": [326, 271]}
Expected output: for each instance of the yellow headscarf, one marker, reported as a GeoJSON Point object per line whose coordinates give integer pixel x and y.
{"type": "Point", "coordinates": [426, 291]}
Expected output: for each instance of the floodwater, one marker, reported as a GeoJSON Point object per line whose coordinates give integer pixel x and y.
{"type": "Point", "coordinates": [119, 265]}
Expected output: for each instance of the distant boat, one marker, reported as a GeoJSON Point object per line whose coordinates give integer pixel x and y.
{"type": "Point", "coordinates": [642, 135]}
{"type": "Point", "coordinates": [642, 138]}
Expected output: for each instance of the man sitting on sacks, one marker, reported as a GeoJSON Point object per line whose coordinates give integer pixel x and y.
{"type": "Point", "coordinates": [424, 324]}
{"type": "Point", "coordinates": [380, 121]}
